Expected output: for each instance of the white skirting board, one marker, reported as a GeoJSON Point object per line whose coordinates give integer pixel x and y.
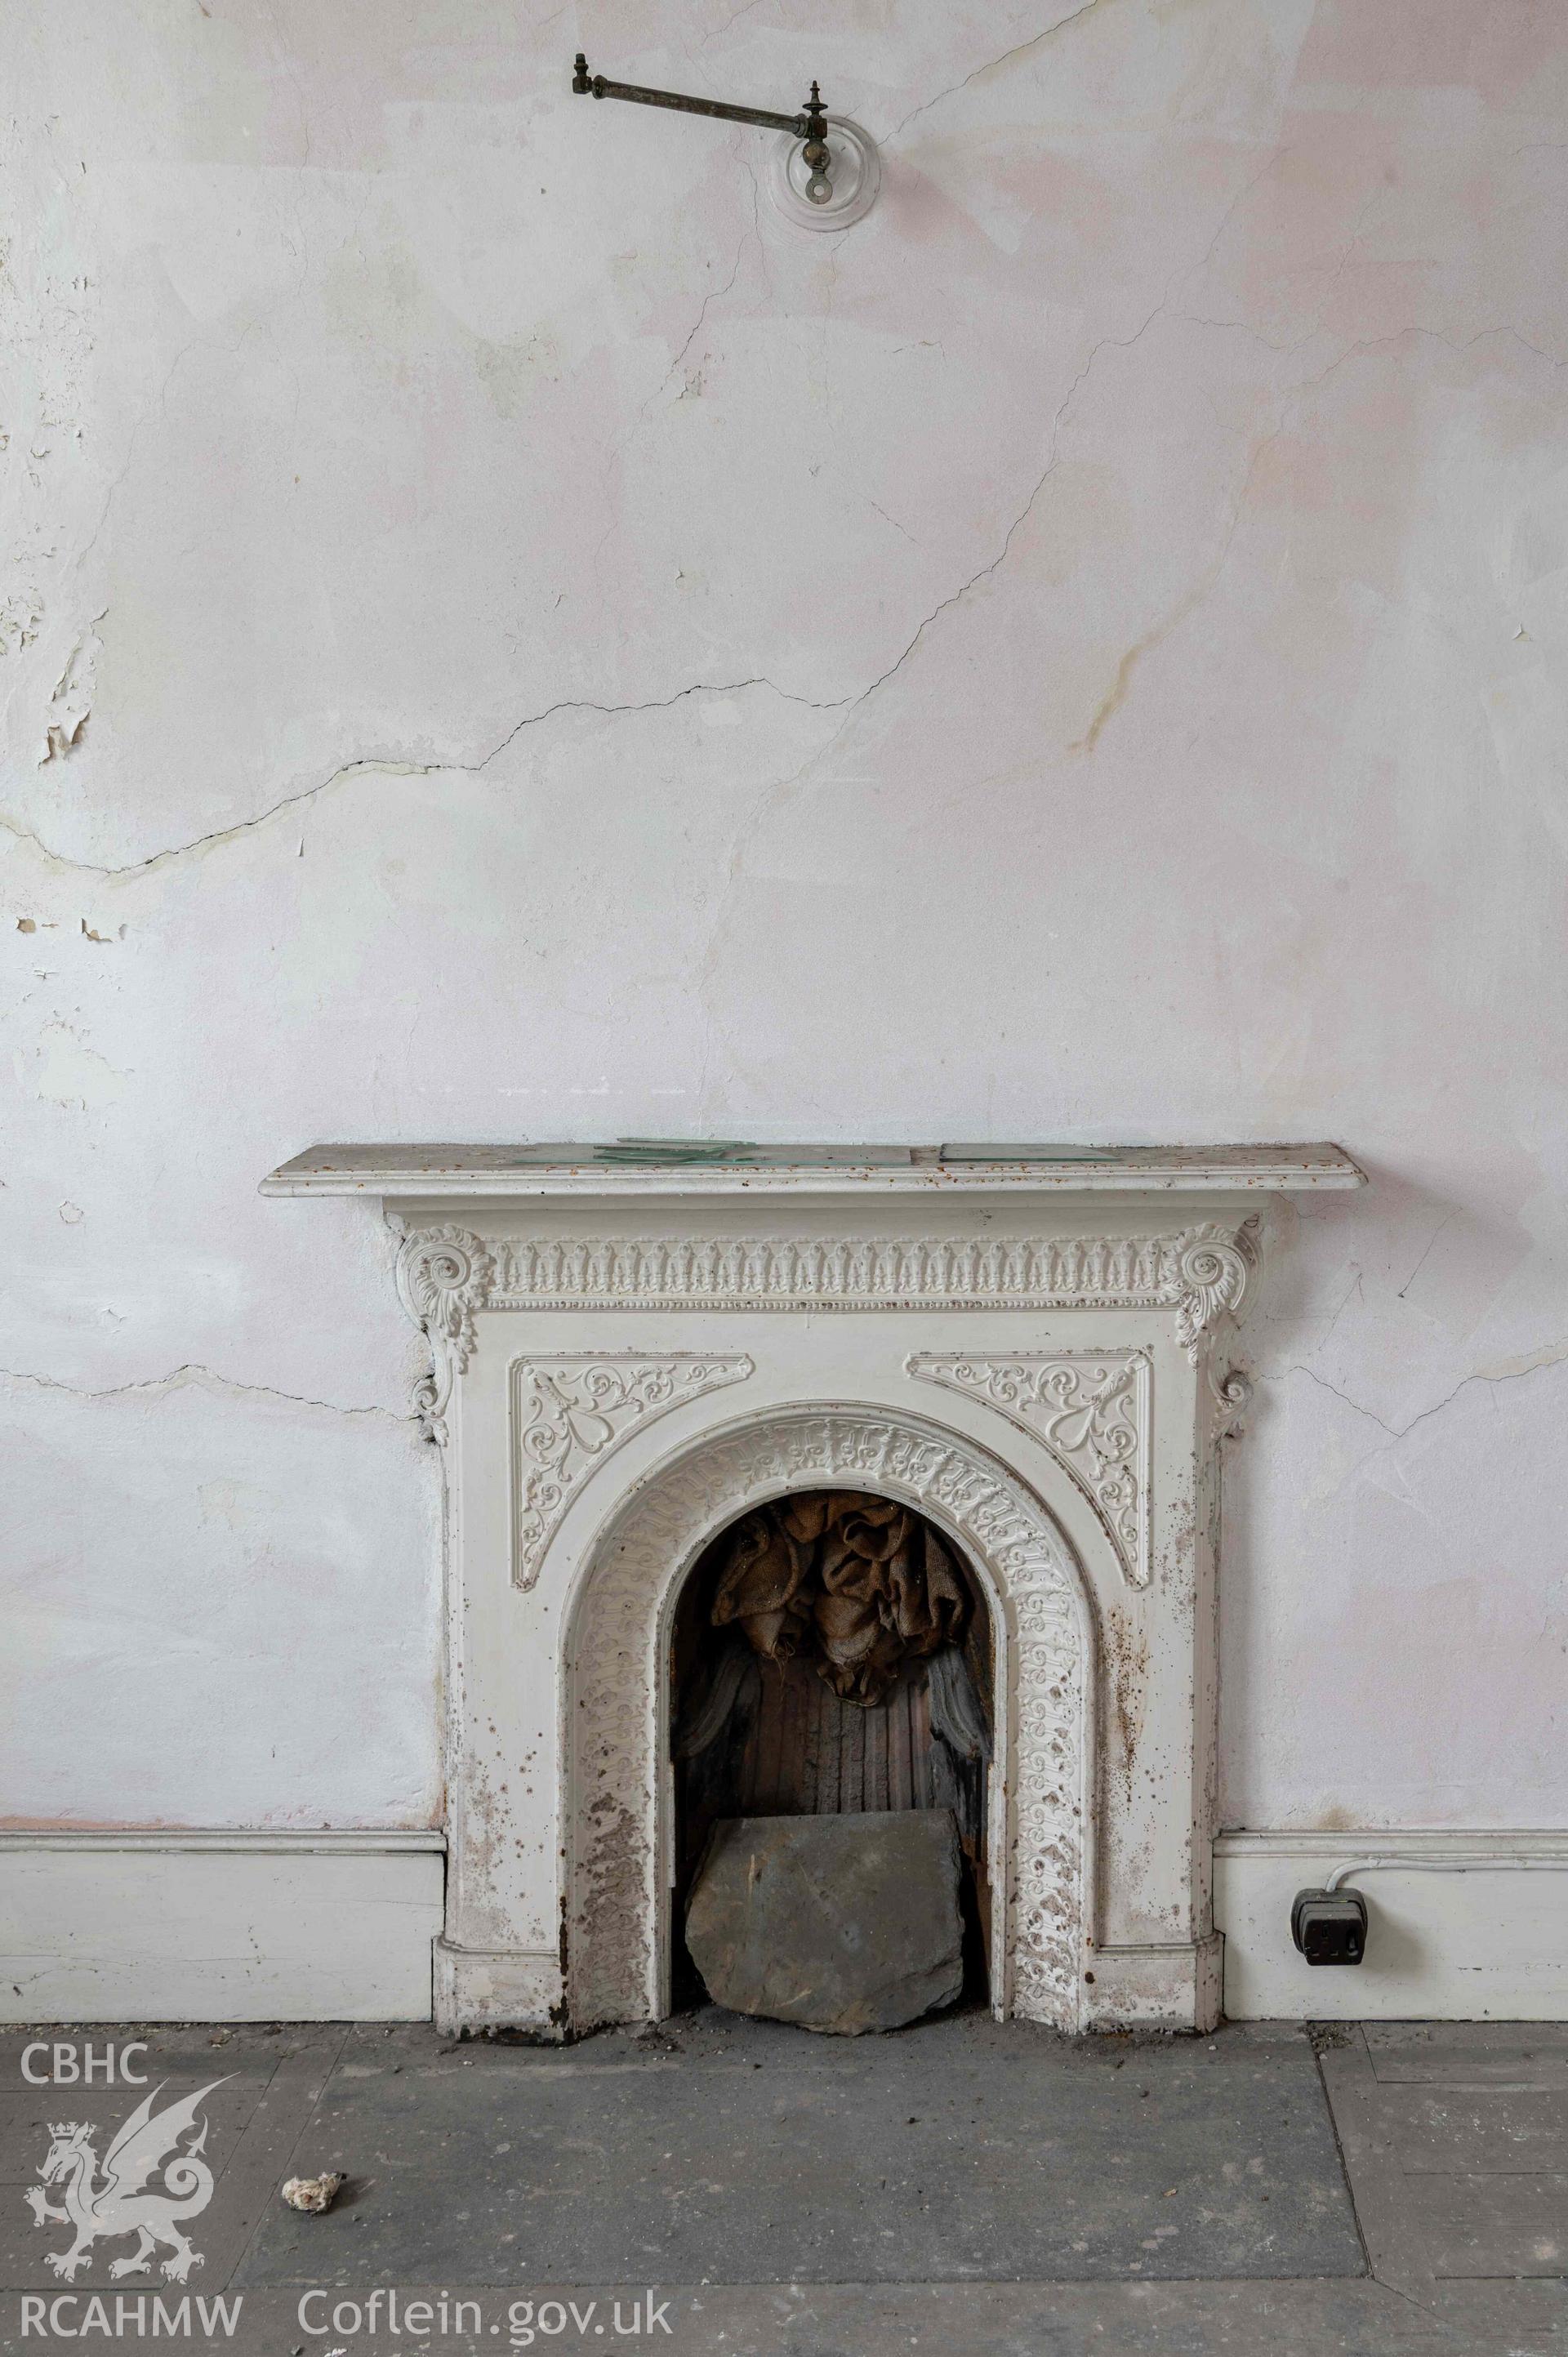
{"type": "Point", "coordinates": [221, 1926]}
{"type": "Point", "coordinates": [198, 1926]}
{"type": "Point", "coordinates": [1489, 1943]}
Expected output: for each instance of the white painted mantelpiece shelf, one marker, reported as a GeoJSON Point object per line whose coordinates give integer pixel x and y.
{"type": "Point", "coordinates": [1030, 1345]}
{"type": "Point", "coordinates": [658, 1166]}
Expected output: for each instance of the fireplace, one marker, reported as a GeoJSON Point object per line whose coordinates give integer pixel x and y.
{"type": "Point", "coordinates": [1031, 1352]}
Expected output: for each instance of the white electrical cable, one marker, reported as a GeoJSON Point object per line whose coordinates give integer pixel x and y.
{"type": "Point", "coordinates": [1447, 1865]}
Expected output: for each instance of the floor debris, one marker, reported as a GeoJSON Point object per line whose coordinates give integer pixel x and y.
{"type": "Point", "coordinates": [314, 2193]}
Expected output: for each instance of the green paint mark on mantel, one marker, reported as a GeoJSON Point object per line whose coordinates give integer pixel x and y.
{"type": "Point", "coordinates": [685, 1153]}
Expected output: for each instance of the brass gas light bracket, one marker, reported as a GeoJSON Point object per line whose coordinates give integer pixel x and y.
{"type": "Point", "coordinates": [826, 168]}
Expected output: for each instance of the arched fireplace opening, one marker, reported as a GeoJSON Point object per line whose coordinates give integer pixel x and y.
{"type": "Point", "coordinates": [832, 1654]}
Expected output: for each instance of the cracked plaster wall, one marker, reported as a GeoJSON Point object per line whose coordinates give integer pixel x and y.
{"type": "Point", "coordinates": [502, 637]}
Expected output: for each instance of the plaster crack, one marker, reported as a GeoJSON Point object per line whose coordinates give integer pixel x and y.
{"type": "Point", "coordinates": [1429, 335]}
{"type": "Point", "coordinates": [1513, 1375]}
{"type": "Point", "coordinates": [892, 520]}
{"type": "Point", "coordinates": [1325, 1385]}
{"type": "Point", "coordinates": [655, 703]}
{"type": "Point", "coordinates": [1114, 343]}
{"type": "Point", "coordinates": [1354, 1291]}
{"type": "Point", "coordinates": [956, 595]}
{"type": "Point", "coordinates": [1421, 1264]}
{"type": "Point", "coordinates": [733, 18]}
{"type": "Point", "coordinates": [994, 65]}
{"type": "Point", "coordinates": [714, 294]}
{"type": "Point", "coordinates": [1243, 327]}
{"type": "Point", "coordinates": [1554, 1358]}
{"type": "Point", "coordinates": [391, 767]}
{"type": "Point", "coordinates": [192, 1374]}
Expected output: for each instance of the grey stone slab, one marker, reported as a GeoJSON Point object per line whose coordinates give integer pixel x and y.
{"type": "Point", "coordinates": [1175, 2319]}
{"type": "Point", "coordinates": [1472, 2248]}
{"type": "Point", "coordinates": [1369, 2145]}
{"type": "Point", "coordinates": [1241, 2319]}
{"type": "Point", "coordinates": [1491, 2227]}
{"type": "Point", "coordinates": [1503, 2319]}
{"type": "Point", "coordinates": [1476, 2129]}
{"type": "Point", "coordinates": [26, 2246]}
{"type": "Point", "coordinates": [838, 1923]}
{"type": "Point", "coordinates": [1470, 2054]}
{"type": "Point", "coordinates": [23, 2133]}
{"type": "Point", "coordinates": [178, 2058]}
{"type": "Point", "coordinates": [268, 2086]}
{"type": "Point", "coordinates": [1424, 2216]}
{"type": "Point", "coordinates": [748, 2153]}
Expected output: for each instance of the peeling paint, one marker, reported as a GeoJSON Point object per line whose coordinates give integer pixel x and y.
{"type": "Point", "coordinates": [69, 1072]}
{"type": "Point", "coordinates": [1126, 1664]}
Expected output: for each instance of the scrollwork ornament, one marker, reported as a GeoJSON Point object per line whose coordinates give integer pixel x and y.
{"type": "Point", "coordinates": [443, 1276]}
{"type": "Point", "coordinates": [1092, 1410]}
{"type": "Point", "coordinates": [571, 1411]}
{"type": "Point", "coordinates": [1231, 1393]}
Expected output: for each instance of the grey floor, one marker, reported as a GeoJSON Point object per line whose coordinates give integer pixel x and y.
{"type": "Point", "coordinates": [960, 2187]}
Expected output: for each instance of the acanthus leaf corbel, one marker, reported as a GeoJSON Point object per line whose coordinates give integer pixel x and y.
{"type": "Point", "coordinates": [1216, 1266]}
{"type": "Point", "coordinates": [443, 1276]}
